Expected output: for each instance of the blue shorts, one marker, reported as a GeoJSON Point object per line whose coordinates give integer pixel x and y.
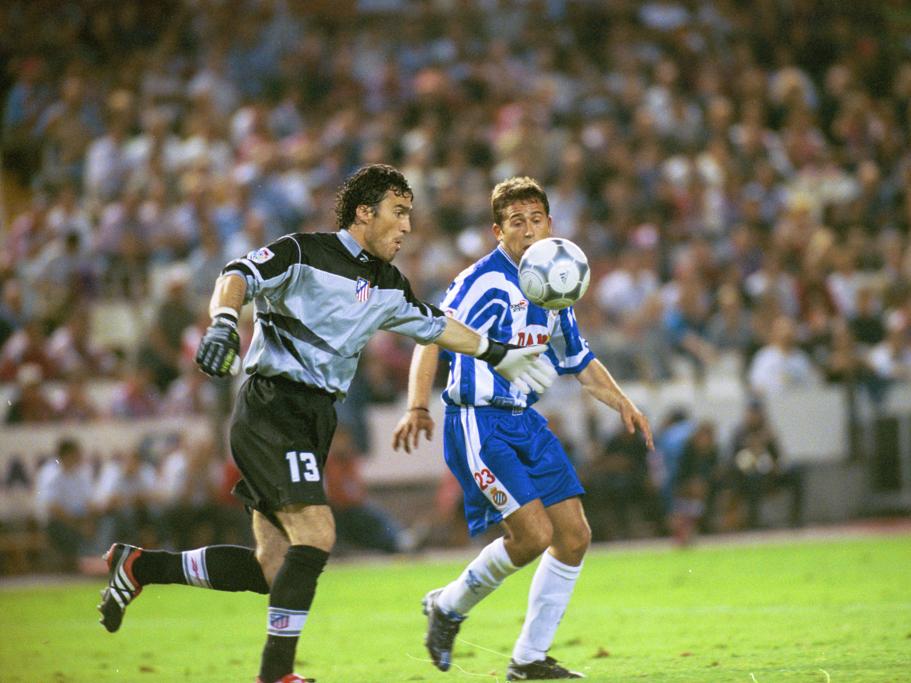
{"type": "Point", "coordinates": [504, 460]}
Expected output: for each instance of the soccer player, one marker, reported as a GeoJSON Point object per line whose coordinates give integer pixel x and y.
{"type": "Point", "coordinates": [318, 298]}
{"type": "Point", "coordinates": [512, 469]}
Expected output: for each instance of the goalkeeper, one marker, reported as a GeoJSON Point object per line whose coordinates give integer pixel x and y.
{"type": "Point", "coordinates": [318, 298]}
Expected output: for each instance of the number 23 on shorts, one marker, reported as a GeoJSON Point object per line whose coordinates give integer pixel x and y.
{"type": "Point", "coordinates": [302, 466]}
{"type": "Point", "coordinates": [484, 478]}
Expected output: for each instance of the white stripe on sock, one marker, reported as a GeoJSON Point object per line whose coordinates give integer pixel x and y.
{"type": "Point", "coordinates": [194, 568]}
{"type": "Point", "coordinates": [285, 622]}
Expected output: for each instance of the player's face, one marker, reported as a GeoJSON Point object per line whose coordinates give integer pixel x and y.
{"type": "Point", "coordinates": [384, 232]}
{"type": "Point", "coordinates": [524, 222]}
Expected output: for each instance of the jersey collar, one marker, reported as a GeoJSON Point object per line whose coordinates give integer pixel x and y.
{"type": "Point", "coordinates": [507, 256]}
{"type": "Point", "coordinates": [351, 244]}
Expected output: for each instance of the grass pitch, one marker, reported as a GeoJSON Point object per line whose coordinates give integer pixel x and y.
{"type": "Point", "coordinates": [834, 611]}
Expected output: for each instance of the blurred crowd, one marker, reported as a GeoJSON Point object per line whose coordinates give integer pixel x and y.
{"type": "Point", "coordinates": [739, 175]}
{"type": "Point", "coordinates": [694, 481]}
{"type": "Point", "coordinates": [172, 491]}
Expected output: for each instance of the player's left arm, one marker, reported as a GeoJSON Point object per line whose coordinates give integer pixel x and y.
{"type": "Point", "coordinates": [600, 384]}
{"type": "Point", "coordinates": [417, 417]}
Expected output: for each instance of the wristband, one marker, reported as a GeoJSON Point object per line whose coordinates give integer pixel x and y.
{"type": "Point", "coordinates": [225, 314]}
{"type": "Point", "coordinates": [491, 351]}
{"type": "Point", "coordinates": [418, 408]}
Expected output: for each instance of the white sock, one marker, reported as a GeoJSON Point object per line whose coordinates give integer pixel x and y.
{"type": "Point", "coordinates": [479, 579]}
{"type": "Point", "coordinates": [551, 589]}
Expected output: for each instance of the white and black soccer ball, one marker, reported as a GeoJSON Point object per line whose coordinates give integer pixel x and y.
{"type": "Point", "coordinates": [554, 273]}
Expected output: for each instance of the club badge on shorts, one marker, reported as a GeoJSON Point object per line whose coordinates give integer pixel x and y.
{"type": "Point", "coordinates": [362, 290]}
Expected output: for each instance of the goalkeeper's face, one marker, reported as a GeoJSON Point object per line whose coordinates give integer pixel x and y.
{"type": "Point", "coordinates": [386, 229]}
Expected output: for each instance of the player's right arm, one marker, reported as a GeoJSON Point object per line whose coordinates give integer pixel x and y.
{"type": "Point", "coordinates": [219, 348]}
{"type": "Point", "coordinates": [259, 272]}
{"type": "Point", "coordinates": [417, 416]}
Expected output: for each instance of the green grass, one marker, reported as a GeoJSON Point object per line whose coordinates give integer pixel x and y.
{"type": "Point", "coordinates": [836, 611]}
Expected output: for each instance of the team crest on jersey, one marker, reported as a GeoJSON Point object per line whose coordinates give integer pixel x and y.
{"type": "Point", "coordinates": [260, 255]}
{"type": "Point", "coordinates": [498, 497]}
{"type": "Point", "coordinates": [362, 289]}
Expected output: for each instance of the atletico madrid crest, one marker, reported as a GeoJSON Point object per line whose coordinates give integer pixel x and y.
{"type": "Point", "coordinates": [362, 290]}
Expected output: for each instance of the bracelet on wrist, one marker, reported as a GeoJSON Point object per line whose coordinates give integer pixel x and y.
{"type": "Point", "coordinates": [426, 410]}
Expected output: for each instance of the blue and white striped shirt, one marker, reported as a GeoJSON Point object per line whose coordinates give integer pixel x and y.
{"type": "Point", "coordinates": [486, 297]}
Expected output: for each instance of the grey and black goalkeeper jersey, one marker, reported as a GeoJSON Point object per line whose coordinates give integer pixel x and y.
{"type": "Point", "coordinates": [318, 298]}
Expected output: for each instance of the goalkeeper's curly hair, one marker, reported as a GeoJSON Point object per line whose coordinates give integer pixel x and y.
{"type": "Point", "coordinates": [368, 186]}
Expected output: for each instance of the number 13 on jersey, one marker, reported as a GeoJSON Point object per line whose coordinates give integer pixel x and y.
{"type": "Point", "coordinates": [302, 464]}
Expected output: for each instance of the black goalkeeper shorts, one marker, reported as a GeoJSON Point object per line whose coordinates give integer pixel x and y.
{"type": "Point", "coordinates": [280, 436]}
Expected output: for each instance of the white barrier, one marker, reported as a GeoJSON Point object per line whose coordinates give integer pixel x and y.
{"type": "Point", "coordinates": [811, 425]}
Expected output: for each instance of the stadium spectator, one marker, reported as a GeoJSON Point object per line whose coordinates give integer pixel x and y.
{"type": "Point", "coordinates": [781, 365]}
{"type": "Point", "coordinates": [867, 324]}
{"type": "Point", "coordinates": [891, 358]}
{"type": "Point", "coordinates": [648, 342]}
{"type": "Point", "coordinates": [63, 503]}
{"type": "Point", "coordinates": [66, 127]}
{"type": "Point", "coordinates": [27, 346]}
{"type": "Point", "coordinates": [162, 349]}
{"type": "Point", "coordinates": [64, 276]}
{"type": "Point", "coordinates": [624, 290]}
{"type": "Point", "coordinates": [671, 438]}
{"type": "Point", "coordinates": [30, 402]}
{"type": "Point", "coordinates": [187, 491]}
{"type": "Point", "coordinates": [696, 483]}
{"type": "Point", "coordinates": [75, 352]}
{"type": "Point", "coordinates": [107, 165]}
{"type": "Point", "coordinates": [73, 403]}
{"type": "Point", "coordinates": [13, 313]}
{"type": "Point", "coordinates": [686, 321]}
{"type": "Point", "coordinates": [729, 329]}
{"type": "Point", "coordinates": [135, 395]}
{"type": "Point", "coordinates": [757, 466]}
{"type": "Point", "coordinates": [68, 215]}
{"type": "Point", "coordinates": [29, 95]}
{"type": "Point", "coordinates": [124, 498]}
{"type": "Point", "coordinates": [122, 244]}
{"type": "Point", "coordinates": [618, 481]}
{"type": "Point", "coordinates": [189, 394]}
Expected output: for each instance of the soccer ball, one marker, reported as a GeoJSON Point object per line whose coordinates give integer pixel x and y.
{"type": "Point", "coordinates": [554, 273]}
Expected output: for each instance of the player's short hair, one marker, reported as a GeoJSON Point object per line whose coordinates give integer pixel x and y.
{"type": "Point", "coordinates": [368, 186]}
{"type": "Point", "coordinates": [516, 189]}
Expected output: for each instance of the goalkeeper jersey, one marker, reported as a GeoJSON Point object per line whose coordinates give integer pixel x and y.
{"type": "Point", "coordinates": [486, 297]}
{"type": "Point", "coordinates": [318, 298]}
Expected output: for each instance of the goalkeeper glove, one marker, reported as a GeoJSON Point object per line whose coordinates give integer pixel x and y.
{"type": "Point", "coordinates": [521, 365]}
{"type": "Point", "coordinates": [219, 347]}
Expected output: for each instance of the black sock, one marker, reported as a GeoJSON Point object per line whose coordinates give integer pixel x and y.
{"type": "Point", "coordinates": [289, 603]}
{"type": "Point", "coordinates": [220, 567]}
